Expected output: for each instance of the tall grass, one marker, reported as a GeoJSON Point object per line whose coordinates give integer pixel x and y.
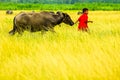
{"type": "Point", "coordinates": [66, 55]}
{"type": "Point", "coordinates": [76, 6]}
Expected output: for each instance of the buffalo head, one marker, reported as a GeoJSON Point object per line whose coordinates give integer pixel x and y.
{"type": "Point", "coordinates": [67, 19]}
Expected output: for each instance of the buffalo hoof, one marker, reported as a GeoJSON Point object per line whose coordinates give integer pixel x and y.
{"type": "Point", "coordinates": [11, 32]}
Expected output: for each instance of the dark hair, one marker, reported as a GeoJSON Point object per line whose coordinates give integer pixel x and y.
{"type": "Point", "coordinates": [84, 9]}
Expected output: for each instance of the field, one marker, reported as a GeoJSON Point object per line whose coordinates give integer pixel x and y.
{"type": "Point", "coordinates": [66, 55]}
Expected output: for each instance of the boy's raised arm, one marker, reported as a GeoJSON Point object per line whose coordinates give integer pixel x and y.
{"type": "Point", "coordinates": [90, 21]}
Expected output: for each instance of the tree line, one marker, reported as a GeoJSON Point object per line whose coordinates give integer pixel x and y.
{"type": "Point", "coordinates": [61, 1]}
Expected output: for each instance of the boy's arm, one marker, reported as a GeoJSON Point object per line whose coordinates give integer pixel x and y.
{"type": "Point", "coordinates": [76, 21]}
{"type": "Point", "coordinates": [90, 21]}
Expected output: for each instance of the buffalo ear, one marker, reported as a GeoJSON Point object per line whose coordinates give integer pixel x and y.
{"type": "Point", "coordinates": [64, 14]}
{"type": "Point", "coordinates": [60, 14]}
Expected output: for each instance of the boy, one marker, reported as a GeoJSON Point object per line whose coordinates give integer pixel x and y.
{"type": "Point", "coordinates": [83, 20]}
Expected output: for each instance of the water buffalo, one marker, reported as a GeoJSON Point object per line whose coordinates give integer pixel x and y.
{"type": "Point", "coordinates": [9, 12]}
{"type": "Point", "coordinates": [41, 21]}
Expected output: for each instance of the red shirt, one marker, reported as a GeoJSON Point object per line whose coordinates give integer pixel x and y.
{"type": "Point", "coordinates": [83, 21]}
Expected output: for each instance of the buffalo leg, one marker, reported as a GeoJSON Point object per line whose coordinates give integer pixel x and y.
{"type": "Point", "coordinates": [52, 29]}
{"type": "Point", "coordinates": [43, 32]}
{"type": "Point", "coordinates": [13, 31]}
{"type": "Point", "coordinates": [20, 30]}
{"type": "Point", "coordinates": [44, 29]}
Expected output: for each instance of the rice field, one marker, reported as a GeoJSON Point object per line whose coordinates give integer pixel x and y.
{"type": "Point", "coordinates": [66, 55]}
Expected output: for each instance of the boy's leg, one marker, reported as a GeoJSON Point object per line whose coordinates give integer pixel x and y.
{"type": "Point", "coordinates": [86, 30]}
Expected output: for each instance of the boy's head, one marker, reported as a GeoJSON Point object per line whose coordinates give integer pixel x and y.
{"type": "Point", "coordinates": [85, 10]}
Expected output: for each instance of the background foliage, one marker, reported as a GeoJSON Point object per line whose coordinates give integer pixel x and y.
{"type": "Point", "coordinates": [75, 6]}
{"type": "Point", "coordinates": [60, 1]}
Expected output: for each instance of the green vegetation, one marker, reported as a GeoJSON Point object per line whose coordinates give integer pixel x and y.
{"type": "Point", "coordinates": [76, 6]}
{"type": "Point", "coordinates": [61, 1]}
